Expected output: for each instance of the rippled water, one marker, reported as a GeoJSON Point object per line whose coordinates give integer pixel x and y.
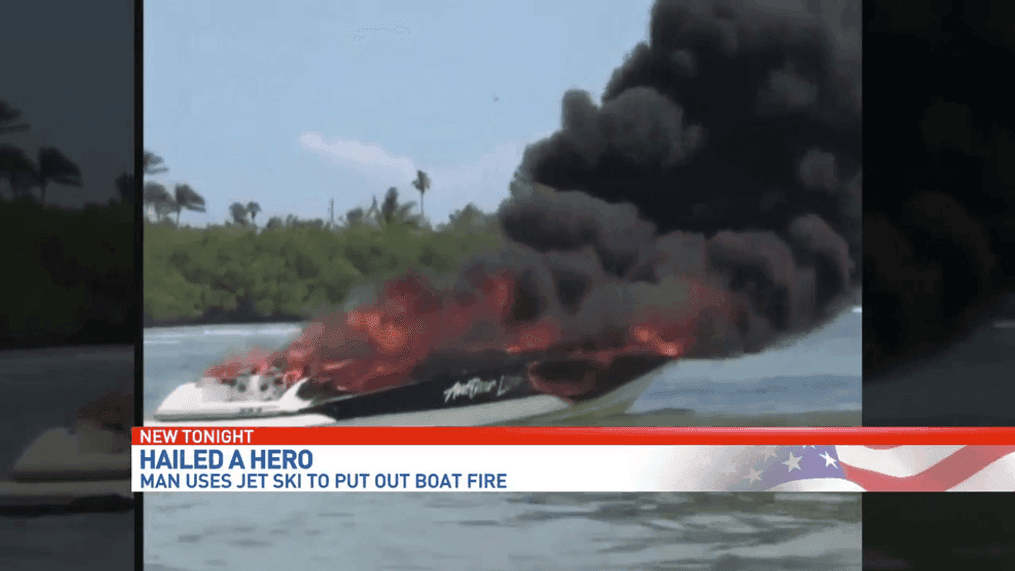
{"type": "Point", "coordinates": [85, 542]}
{"type": "Point", "coordinates": [476, 532]}
{"type": "Point", "coordinates": [818, 373]}
{"type": "Point", "coordinates": [43, 388]}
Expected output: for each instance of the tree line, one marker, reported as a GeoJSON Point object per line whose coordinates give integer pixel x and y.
{"type": "Point", "coordinates": [289, 269]}
{"type": "Point", "coordinates": [70, 273]}
{"type": "Point", "coordinates": [161, 205]}
{"type": "Point", "coordinates": [26, 174]}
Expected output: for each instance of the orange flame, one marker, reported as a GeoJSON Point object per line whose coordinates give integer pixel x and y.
{"type": "Point", "coordinates": [377, 346]}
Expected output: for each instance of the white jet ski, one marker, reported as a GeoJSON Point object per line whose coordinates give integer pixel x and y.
{"type": "Point", "coordinates": [87, 469]}
{"type": "Point", "coordinates": [469, 397]}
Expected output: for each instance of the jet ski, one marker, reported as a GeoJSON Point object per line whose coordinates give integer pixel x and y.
{"type": "Point", "coordinates": [84, 469]}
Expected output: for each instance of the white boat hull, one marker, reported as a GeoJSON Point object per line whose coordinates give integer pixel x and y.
{"type": "Point", "coordinates": [535, 409]}
{"type": "Point", "coordinates": [88, 469]}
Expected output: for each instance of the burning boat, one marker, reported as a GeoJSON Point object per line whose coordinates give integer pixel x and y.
{"type": "Point", "coordinates": [424, 357]}
{"type": "Point", "coordinates": [707, 204]}
{"type": "Point", "coordinates": [480, 396]}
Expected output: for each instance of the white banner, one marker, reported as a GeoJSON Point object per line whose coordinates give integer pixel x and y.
{"type": "Point", "coordinates": [444, 468]}
{"type": "Point", "coordinates": [569, 468]}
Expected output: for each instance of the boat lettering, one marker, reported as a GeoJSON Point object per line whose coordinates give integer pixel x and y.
{"type": "Point", "coordinates": [474, 387]}
{"type": "Point", "coordinates": [503, 389]}
{"type": "Point", "coordinates": [252, 410]}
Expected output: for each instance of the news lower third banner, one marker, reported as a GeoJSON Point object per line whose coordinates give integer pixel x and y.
{"type": "Point", "coordinates": [529, 459]}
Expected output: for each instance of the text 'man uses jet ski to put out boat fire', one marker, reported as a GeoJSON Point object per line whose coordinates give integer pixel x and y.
{"type": "Point", "coordinates": [422, 358]}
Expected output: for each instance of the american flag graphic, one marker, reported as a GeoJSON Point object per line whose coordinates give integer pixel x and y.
{"type": "Point", "coordinates": [880, 468]}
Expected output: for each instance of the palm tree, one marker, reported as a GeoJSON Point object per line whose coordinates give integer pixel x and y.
{"type": "Point", "coordinates": [156, 195]}
{"type": "Point", "coordinates": [8, 114]}
{"type": "Point", "coordinates": [55, 167]}
{"type": "Point", "coordinates": [422, 184]}
{"type": "Point", "coordinates": [125, 188]}
{"type": "Point", "coordinates": [17, 167]}
{"type": "Point", "coordinates": [390, 205]}
{"type": "Point", "coordinates": [158, 199]}
{"type": "Point", "coordinates": [239, 213]}
{"type": "Point", "coordinates": [153, 164]}
{"type": "Point", "coordinates": [253, 209]}
{"type": "Point", "coordinates": [187, 197]}
{"type": "Point", "coordinates": [391, 212]}
{"type": "Point", "coordinates": [13, 159]}
{"type": "Point", "coordinates": [23, 174]}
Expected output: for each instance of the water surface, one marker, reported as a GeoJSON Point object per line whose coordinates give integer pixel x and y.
{"type": "Point", "coordinates": [504, 532]}
{"type": "Point", "coordinates": [43, 388]}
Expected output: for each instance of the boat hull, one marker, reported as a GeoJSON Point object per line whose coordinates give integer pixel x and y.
{"type": "Point", "coordinates": [451, 403]}
{"type": "Point", "coordinates": [87, 469]}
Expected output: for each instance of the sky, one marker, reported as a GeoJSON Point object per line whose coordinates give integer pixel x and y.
{"type": "Point", "coordinates": [292, 105]}
{"type": "Point", "coordinates": [73, 78]}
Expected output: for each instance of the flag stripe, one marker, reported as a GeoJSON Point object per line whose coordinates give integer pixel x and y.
{"type": "Point", "coordinates": [899, 461]}
{"type": "Point", "coordinates": [997, 477]}
{"type": "Point", "coordinates": [948, 473]}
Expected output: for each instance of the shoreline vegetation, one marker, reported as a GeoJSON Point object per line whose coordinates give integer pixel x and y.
{"type": "Point", "coordinates": [69, 277]}
{"type": "Point", "coordinates": [291, 269]}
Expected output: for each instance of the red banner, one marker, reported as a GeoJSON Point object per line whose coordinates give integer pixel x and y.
{"type": "Point", "coordinates": [572, 436]}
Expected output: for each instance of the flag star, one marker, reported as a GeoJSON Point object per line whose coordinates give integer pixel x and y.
{"type": "Point", "coordinates": [752, 476]}
{"type": "Point", "coordinates": [793, 462]}
{"type": "Point", "coordinates": [770, 453]}
{"type": "Point", "coordinates": [829, 461]}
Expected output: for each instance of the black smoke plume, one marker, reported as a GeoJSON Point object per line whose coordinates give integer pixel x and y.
{"type": "Point", "coordinates": [940, 232]}
{"type": "Point", "coordinates": [725, 152]}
